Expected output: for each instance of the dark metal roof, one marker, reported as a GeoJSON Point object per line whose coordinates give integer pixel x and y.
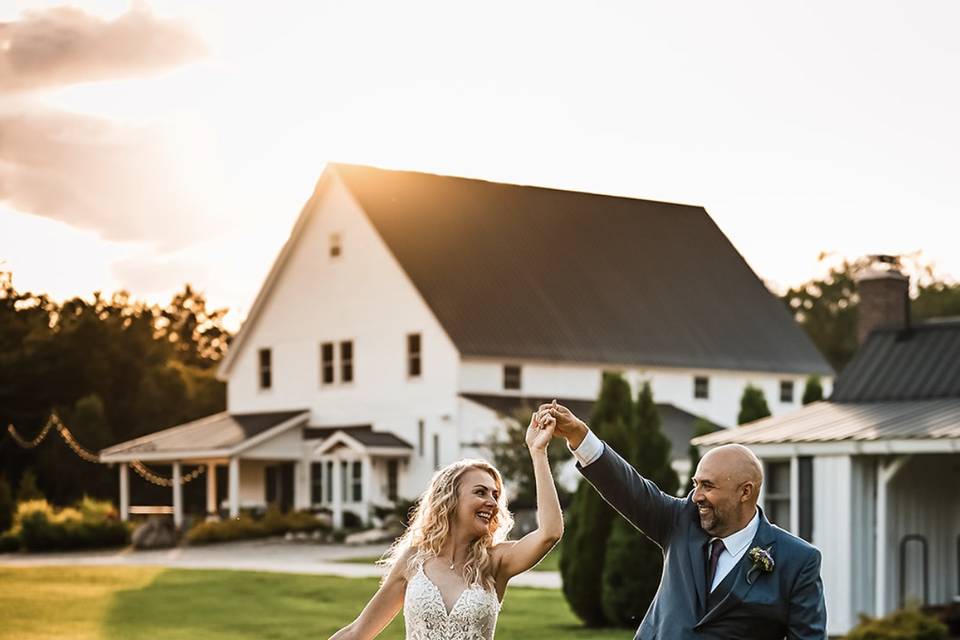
{"type": "Point", "coordinates": [364, 434]}
{"type": "Point", "coordinates": [919, 363]}
{"type": "Point", "coordinates": [863, 421]}
{"type": "Point", "coordinates": [218, 431]}
{"type": "Point", "coordinates": [676, 424]}
{"type": "Point", "coordinates": [528, 272]}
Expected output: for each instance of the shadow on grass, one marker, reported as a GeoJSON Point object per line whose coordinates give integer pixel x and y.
{"type": "Point", "coordinates": [187, 604]}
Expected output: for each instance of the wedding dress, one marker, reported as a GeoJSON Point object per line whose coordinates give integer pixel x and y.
{"type": "Point", "coordinates": [473, 616]}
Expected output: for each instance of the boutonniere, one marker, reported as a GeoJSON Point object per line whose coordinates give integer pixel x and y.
{"type": "Point", "coordinates": [760, 561]}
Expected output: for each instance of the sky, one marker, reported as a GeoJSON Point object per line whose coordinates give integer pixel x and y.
{"type": "Point", "coordinates": [150, 144]}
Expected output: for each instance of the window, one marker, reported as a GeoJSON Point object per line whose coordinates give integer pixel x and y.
{"type": "Point", "coordinates": [701, 387]}
{"type": "Point", "coordinates": [413, 355]}
{"type": "Point", "coordinates": [336, 245]}
{"type": "Point", "coordinates": [393, 476]}
{"type": "Point", "coordinates": [786, 391]}
{"type": "Point", "coordinates": [326, 363]}
{"type": "Point", "coordinates": [805, 490]}
{"type": "Point", "coordinates": [436, 451]}
{"type": "Point", "coordinates": [511, 376]}
{"type": "Point", "coordinates": [344, 481]}
{"type": "Point", "coordinates": [776, 500]}
{"type": "Point", "coordinates": [316, 483]}
{"type": "Point", "coordinates": [266, 377]}
{"type": "Point", "coordinates": [420, 435]}
{"type": "Point", "coordinates": [357, 482]}
{"type": "Point", "coordinates": [346, 361]}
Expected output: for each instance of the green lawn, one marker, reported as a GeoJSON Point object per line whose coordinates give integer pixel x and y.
{"type": "Point", "coordinates": [159, 604]}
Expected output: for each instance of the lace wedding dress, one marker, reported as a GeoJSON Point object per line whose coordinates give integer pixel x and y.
{"type": "Point", "coordinates": [473, 616]}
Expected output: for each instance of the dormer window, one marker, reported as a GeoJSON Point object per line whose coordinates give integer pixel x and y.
{"type": "Point", "coordinates": [413, 355]}
{"type": "Point", "coordinates": [336, 245]}
{"type": "Point", "coordinates": [786, 391]}
{"type": "Point", "coordinates": [264, 369]}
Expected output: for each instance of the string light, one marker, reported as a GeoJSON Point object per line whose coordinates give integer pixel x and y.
{"type": "Point", "coordinates": [142, 470]}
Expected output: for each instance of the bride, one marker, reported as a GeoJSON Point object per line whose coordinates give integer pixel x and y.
{"type": "Point", "coordinates": [450, 569]}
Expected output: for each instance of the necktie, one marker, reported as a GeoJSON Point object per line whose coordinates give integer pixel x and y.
{"type": "Point", "coordinates": [716, 548]}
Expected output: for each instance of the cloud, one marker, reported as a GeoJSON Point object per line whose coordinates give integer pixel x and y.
{"type": "Point", "coordinates": [127, 183]}
{"type": "Point", "coordinates": [65, 45]}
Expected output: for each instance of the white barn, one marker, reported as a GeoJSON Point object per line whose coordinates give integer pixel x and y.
{"type": "Point", "coordinates": [409, 313]}
{"type": "Point", "coordinates": [871, 476]}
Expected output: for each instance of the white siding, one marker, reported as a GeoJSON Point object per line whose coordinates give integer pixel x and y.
{"type": "Point", "coordinates": [669, 385]}
{"type": "Point", "coordinates": [924, 501]}
{"type": "Point", "coordinates": [252, 483]}
{"type": "Point", "coordinates": [363, 296]}
{"type": "Point", "coordinates": [864, 523]}
{"type": "Point", "coordinates": [832, 534]}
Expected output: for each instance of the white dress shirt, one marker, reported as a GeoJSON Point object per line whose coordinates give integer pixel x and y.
{"type": "Point", "coordinates": [734, 545]}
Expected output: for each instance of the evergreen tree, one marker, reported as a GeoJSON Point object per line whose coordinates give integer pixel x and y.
{"type": "Point", "coordinates": [590, 517]}
{"type": "Point", "coordinates": [813, 390]}
{"type": "Point", "coordinates": [753, 405]}
{"type": "Point", "coordinates": [701, 427]}
{"type": "Point", "coordinates": [634, 563]}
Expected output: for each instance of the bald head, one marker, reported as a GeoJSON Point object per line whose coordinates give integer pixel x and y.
{"type": "Point", "coordinates": [727, 485]}
{"type": "Point", "coordinates": [735, 462]}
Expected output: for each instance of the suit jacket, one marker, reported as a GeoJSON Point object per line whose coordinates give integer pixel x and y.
{"type": "Point", "coordinates": [787, 602]}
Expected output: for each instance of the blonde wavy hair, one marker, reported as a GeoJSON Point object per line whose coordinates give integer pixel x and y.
{"type": "Point", "coordinates": [432, 521]}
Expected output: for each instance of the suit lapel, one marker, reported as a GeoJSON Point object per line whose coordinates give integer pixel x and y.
{"type": "Point", "coordinates": [763, 538]}
{"type": "Point", "coordinates": [696, 546]}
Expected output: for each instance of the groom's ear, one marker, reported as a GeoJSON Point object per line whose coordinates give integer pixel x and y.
{"type": "Point", "coordinates": [748, 491]}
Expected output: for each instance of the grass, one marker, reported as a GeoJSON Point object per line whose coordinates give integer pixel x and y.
{"type": "Point", "coordinates": [174, 604]}
{"type": "Point", "coordinates": [551, 562]}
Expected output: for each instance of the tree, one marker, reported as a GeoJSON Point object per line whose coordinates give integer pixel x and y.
{"type": "Point", "coordinates": [813, 390]}
{"type": "Point", "coordinates": [510, 456]}
{"type": "Point", "coordinates": [634, 563]}
{"type": "Point", "coordinates": [6, 505]}
{"type": "Point", "coordinates": [826, 307]}
{"type": "Point", "coordinates": [28, 489]}
{"type": "Point", "coordinates": [701, 427]}
{"type": "Point", "coordinates": [590, 519]}
{"type": "Point", "coordinates": [753, 405]}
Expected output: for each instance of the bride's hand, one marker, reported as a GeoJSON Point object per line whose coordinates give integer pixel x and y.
{"type": "Point", "coordinates": [540, 431]}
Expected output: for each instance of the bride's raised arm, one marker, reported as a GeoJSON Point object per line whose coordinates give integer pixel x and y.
{"type": "Point", "coordinates": [517, 556]}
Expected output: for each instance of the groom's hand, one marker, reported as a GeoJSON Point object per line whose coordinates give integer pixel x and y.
{"type": "Point", "coordinates": [568, 426]}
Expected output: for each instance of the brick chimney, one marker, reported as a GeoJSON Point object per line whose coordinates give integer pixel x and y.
{"type": "Point", "coordinates": [884, 297]}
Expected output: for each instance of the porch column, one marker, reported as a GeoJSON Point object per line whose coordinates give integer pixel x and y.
{"type": "Point", "coordinates": [301, 484]}
{"type": "Point", "coordinates": [212, 506]}
{"type": "Point", "coordinates": [233, 487]}
{"type": "Point", "coordinates": [337, 494]}
{"type": "Point", "coordinates": [885, 473]}
{"type": "Point", "coordinates": [177, 495]}
{"type": "Point", "coordinates": [366, 488]}
{"type": "Point", "coordinates": [124, 492]}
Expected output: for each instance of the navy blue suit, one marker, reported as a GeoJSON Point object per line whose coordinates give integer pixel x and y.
{"type": "Point", "coordinates": [785, 603]}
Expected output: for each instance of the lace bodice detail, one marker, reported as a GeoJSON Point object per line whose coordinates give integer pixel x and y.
{"type": "Point", "coordinates": [473, 616]}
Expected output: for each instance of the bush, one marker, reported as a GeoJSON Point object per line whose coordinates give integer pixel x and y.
{"type": "Point", "coordinates": [905, 624]}
{"type": "Point", "coordinates": [6, 505]}
{"type": "Point", "coordinates": [42, 528]}
{"type": "Point", "coordinates": [245, 527]}
{"type": "Point", "coordinates": [9, 541]}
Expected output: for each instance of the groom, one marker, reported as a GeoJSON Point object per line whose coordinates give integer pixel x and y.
{"type": "Point", "coordinates": [727, 572]}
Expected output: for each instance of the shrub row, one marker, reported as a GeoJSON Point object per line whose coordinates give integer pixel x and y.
{"type": "Point", "coordinates": [40, 527]}
{"type": "Point", "coordinates": [905, 624]}
{"type": "Point", "coordinates": [244, 527]}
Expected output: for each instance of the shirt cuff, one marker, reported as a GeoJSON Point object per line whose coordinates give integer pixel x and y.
{"type": "Point", "coordinates": [589, 450]}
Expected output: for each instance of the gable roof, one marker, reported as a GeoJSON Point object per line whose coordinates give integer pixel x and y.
{"type": "Point", "coordinates": [675, 423]}
{"type": "Point", "coordinates": [919, 363]}
{"type": "Point", "coordinates": [364, 434]}
{"type": "Point", "coordinates": [534, 273]}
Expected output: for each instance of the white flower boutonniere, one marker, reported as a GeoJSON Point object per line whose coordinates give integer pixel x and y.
{"type": "Point", "coordinates": [760, 561]}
